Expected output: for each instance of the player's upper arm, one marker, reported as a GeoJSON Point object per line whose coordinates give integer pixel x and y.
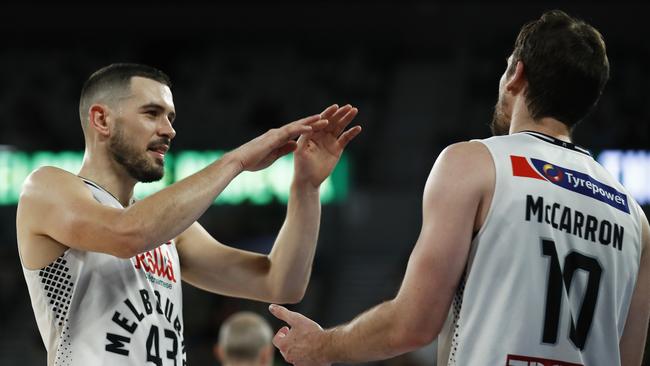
{"type": "Point", "coordinates": [57, 205]}
{"type": "Point", "coordinates": [461, 180]}
{"type": "Point", "coordinates": [636, 327]}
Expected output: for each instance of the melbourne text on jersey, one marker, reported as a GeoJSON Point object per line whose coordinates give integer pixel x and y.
{"type": "Point", "coordinates": [574, 222]}
{"type": "Point", "coordinates": [131, 316]}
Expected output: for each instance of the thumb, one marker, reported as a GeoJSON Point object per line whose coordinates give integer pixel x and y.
{"type": "Point", "coordinates": [278, 338]}
{"type": "Point", "coordinates": [283, 313]}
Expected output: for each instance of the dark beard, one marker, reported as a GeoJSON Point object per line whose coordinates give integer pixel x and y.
{"type": "Point", "coordinates": [499, 125]}
{"type": "Point", "coordinates": [136, 164]}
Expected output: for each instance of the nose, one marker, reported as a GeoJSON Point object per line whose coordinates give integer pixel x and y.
{"type": "Point", "coordinates": [166, 129]}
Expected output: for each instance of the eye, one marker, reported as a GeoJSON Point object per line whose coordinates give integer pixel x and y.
{"type": "Point", "coordinates": [151, 113]}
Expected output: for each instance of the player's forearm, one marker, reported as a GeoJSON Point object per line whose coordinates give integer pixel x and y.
{"type": "Point", "coordinates": [165, 214]}
{"type": "Point", "coordinates": [377, 334]}
{"type": "Point", "coordinates": [293, 252]}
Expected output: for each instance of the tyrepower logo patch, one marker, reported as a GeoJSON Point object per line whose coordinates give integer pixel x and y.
{"type": "Point", "coordinates": [571, 180]}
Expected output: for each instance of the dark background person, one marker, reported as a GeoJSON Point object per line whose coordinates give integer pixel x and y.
{"type": "Point", "coordinates": [423, 75]}
{"type": "Point", "coordinates": [245, 340]}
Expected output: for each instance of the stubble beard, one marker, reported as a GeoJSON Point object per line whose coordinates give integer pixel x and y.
{"type": "Point", "coordinates": [500, 124]}
{"type": "Point", "coordinates": [137, 164]}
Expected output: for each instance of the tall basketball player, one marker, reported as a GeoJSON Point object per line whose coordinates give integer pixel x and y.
{"type": "Point", "coordinates": [530, 252]}
{"type": "Point", "coordinates": [104, 271]}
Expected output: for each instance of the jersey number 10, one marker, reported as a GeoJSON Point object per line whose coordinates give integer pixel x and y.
{"type": "Point", "coordinates": [556, 281]}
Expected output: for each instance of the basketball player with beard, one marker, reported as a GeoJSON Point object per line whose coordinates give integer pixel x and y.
{"type": "Point", "coordinates": [530, 252]}
{"type": "Point", "coordinates": [104, 271]}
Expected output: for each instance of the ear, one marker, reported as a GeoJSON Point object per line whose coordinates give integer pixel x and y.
{"type": "Point", "coordinates": [219, 354]}
{"type": "Point", "coordinates": [517, 82]}
{"type": "Point", "coordinates": [266, 355]}
{"type": "Point", "coordinates": [98, 119]}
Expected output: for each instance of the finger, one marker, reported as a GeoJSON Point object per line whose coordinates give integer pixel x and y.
{"type": "Point", "coordinates": [320, 125]}
{"type": "Point", "coordinates": [345, 120]}
{"type": "Point", "coordinates": [307, 120]}
{"type": "Point", "coordinates": [340, 113]}
{"type": "Point", "coordinates": [329, 111]}
{"type": "Point", "coordinates": [279, 338]}
{"type": "Point", "coordinates": [283, 313]}
{"type": "Point", "coordinates": [298, 128]}
{"type": "Point", "coordinates": [348, 135]}
{"type": "Point", "coordinates": [291, 131]}
{"type": "Point", "coordinates": [284, 331]}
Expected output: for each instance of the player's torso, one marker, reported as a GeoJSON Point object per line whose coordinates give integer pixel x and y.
{"type": "Point", "coordinates": [551, 273]}
{"type": "Point", "coordinates": [98, 309]}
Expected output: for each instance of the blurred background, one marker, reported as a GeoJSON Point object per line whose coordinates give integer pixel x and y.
{"type": "Point", "coordinates": [423, 75]}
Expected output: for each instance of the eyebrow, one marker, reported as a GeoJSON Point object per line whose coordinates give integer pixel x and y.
{"type": "Point", "coordinates": [160, 108]}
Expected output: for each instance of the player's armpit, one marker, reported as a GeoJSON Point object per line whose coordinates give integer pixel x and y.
{"type": "Point", "coordinates": [56, 211]}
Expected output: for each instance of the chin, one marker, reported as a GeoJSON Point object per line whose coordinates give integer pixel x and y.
{"type": "Point", "coordinates": [151, 173]}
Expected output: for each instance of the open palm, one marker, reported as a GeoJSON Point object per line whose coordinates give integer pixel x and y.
{"type": "Point", "coordinates": [319, 151]}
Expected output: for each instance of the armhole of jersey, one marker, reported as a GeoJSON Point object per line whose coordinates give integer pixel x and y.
{"type": "Point", "coordinates": [65, 252]}
{"type": "Point", "coordinates": [639, 215]}
{"type": "Point", "coordinates": [45, 266]}
{"type": "Point", "coordinates": [495, 195]}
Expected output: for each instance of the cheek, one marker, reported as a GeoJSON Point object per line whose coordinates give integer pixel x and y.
{"type": "Point", "coordinates": [502, 83]}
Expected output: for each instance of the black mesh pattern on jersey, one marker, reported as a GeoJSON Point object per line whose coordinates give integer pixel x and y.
{"type": "Point", "coordinates": [457, 306]}
{"type": "Point", "coordinates": [58, 285]}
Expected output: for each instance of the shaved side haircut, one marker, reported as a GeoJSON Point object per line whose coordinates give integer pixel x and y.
{"type": "Point", "coordinates": [113, 82]}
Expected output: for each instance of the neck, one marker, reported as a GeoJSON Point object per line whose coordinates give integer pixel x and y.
{"type": "Point", "coordinates": [101, 169]}
{"type": "Point", "coordinates": [522, 121]}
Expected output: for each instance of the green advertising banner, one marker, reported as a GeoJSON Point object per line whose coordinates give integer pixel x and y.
{"type": "Point", "coordinates": [257, 188]}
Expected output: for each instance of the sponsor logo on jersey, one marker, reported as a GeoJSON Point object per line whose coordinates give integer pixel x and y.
{"type": "Point", "coordinates": [571, 180]}
{"type": "Point", "coordinates": [517, 360]}
{"type": "Point", "coordinates": [156, 262]}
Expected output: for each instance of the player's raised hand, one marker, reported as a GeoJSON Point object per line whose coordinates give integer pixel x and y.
{"type": "Point", "coordinates": [319, 150]}
{"type": "Point", "coordinates": [263, 150]}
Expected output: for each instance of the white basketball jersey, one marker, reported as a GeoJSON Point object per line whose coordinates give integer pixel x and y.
{"type": "Point", "coordinates": [97, 309]}
{"type": "Point", "coordinates": [550, 274]}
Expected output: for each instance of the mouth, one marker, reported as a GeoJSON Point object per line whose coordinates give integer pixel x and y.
{"type": "Point", "coordinates": [159, 151]}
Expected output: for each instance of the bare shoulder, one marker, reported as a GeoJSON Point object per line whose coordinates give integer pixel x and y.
{"type": "Point", "coordinates": [42, 191]}
{"type": "Point", "coordinates": [47, 180]}
{"type": "Point", "coordinates": [463, 177]}
{"type": "Point", "coordinates": [45, 177]}
{"type": "Point", "coordinates": [469, 153]}
{"type": "Point", "coordinates": [465, 163]}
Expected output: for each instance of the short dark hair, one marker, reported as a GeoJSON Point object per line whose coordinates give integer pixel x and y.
{"type": "Point", "coordinates": [115, 76]}
{"type": "Point", "coordinates": [565, 63]}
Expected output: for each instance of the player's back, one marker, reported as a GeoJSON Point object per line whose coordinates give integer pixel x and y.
{"type": "Point", "coordinates": [551, 273]}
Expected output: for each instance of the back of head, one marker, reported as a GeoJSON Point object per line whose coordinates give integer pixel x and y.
{"type": "Point", "coordinates": [109, 83]}
{"type": "Point", "coordinates": [566, 65]}
{"type": "Point", "coordinates": [243, 337]}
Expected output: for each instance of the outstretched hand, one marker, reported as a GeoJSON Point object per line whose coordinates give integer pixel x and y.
{"type": "Point", "coordinates": [263, 150]}
{"type": "Point", "coordinates": [301, 341]}
{"type": "Point", "coordinates": [319, 150]}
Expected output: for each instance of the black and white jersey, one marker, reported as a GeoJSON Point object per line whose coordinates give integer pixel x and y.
{"type": "Point", "coordinates": [550, 275]}
{"type": "Point", "coordinates": [97, 309]}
